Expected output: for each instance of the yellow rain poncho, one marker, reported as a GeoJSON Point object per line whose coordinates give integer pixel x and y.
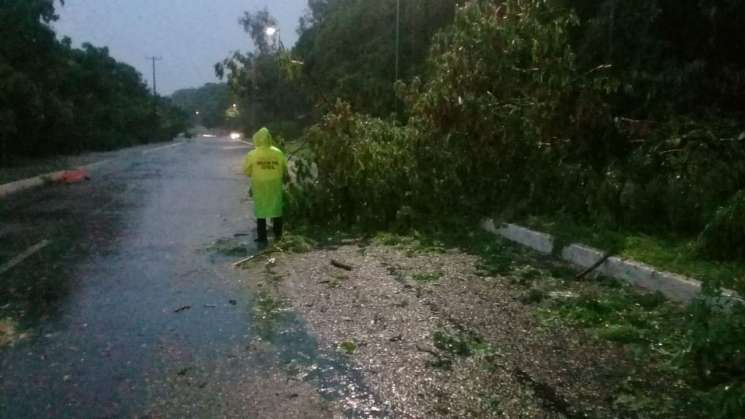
{"type": "Point", "coordinates": [266, 165]}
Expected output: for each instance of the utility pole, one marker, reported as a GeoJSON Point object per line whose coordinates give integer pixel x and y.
{"type": "Point", "coordinates": [155, 82]}
{"type": "Point", "coordinates": [398, 33]}
{"type": "Point", "coordinates": [155, 87]}
{"type": "Point", "coordinates": [398, 42]}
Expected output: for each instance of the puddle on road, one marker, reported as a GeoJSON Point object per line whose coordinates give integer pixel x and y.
{"type": "Point", "coordinates": [283, 333]}
{"type": "Point", "coordinates": [234, 247]}
{"type": "Point", "coordinates": [299, 356]}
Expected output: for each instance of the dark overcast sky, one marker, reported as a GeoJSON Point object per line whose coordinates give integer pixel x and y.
{"type": "Point", "coordinates": [190, 35]}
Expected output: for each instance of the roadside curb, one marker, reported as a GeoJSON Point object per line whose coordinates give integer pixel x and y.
{"type": "Point", "coordinates": [54, 177]}
{"type": "Point", "coordinates": [29, 183]}
{"type": "Point", "coordinates": [675, 287]}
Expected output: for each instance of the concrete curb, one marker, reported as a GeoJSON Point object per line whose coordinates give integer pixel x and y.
{"type": "Point", "coordinates": [538, 241]}
{"type": "Point", "coordinates": [673, 286]}
{"type": "Point", "coordinates": [41, 180]}
{"type": "Point", "coordinates": [29, 183]}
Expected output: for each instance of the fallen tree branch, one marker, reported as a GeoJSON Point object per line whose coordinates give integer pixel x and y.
{"type": "Point", "coordinates": [341, 265]}
{"type": "Point", "coordinates": [244, 260]}
{"type": "Point", "coordinates": [427, 351]}
{"type": "Point", "coordinates": [593, 267]}
{"type": "Point", "coordinates": [547, 395]}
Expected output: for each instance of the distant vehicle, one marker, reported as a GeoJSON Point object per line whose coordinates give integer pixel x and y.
{"type": "Point", "coordinates": [235, 136]}
{"type": "Point", "coordinates": [208, 136]}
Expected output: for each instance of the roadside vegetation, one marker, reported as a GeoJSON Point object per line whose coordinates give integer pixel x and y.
{"type": "Point", "coordinates": [565, 116]}
{"type": "Point", "coordinates": [619, 123]}
{"type": "Point", "coordinates": [57, 99]}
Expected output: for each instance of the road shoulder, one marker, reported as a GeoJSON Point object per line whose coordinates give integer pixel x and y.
{"type": "Point", "coordinates": [434, 337]}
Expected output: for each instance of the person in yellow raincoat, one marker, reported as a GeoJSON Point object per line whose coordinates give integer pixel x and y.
{"type": "Point", "coordinates": [266, 165]}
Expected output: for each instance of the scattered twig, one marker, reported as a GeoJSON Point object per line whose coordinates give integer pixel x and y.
{"type": "Point", "coordinates": [23, 256]}
{"type": "Point", "coordinates": [593, 267]}
{"type": "Point", "coordinates": [675, 150]}
{"type": "Point", "coordinates": [265, 252]}
{"type": "Point", "coordinates": [341, 265]}
{"type": "Point", "coordinates": [547, 395]}
{"type": "Point", "coordinates": [180, 309]}
{"type": "Point", "coordinates": [428, 351]}
{"type": "Point", "coordinates": [244, 260]}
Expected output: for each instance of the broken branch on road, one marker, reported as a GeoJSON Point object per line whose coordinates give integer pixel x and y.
{"type": "Point", "coordinates": [243, 261]}
{"type": "Point", "coordinates": [341, 265]}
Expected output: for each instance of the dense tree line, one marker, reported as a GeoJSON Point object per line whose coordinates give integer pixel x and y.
{"type": "Point", "coordinates": [260, 81]}
{"type": "Point", "coordinates": [207, 105]}
{"type": "Point", "coordinates": [346, 49]}
{"type": "Point", "coordinates": [58, 99]}
{"type": "Point", "coordinates": [622, 112]}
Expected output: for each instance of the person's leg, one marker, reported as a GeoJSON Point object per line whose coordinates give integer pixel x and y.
{"type": "Point", "coordinates": [277, 225]}
{"type": "Point", "coordinates": [260, 229]}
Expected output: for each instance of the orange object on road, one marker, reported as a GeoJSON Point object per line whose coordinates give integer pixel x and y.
{"type": "Point", "coordinates": [75, 176]}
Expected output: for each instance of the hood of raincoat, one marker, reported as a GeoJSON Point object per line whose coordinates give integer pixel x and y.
{"type": "Point", "coordinates": [263, 138]}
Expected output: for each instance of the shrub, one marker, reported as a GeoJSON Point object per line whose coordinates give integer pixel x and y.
{"type": "Point", "coordinates": [361, 174]}
{"type": "Point", "coordinates": [724, 235]}
{"type": "Point", "coordinates": [509, 118]}
{"type": "Point", "coordinates": [491, 114]}
{"type": "Point", "coordinates": [716, 352]}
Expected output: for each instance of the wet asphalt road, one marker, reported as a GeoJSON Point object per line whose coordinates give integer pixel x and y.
{"type": "Point", "coordinates": [136, 316]}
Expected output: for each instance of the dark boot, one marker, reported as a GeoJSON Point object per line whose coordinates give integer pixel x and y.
{"type": "Point", "coordinates": [277, 226]}
{"type": "Point", "coordinates": [260, 230]}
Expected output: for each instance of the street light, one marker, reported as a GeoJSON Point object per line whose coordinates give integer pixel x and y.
{"type": "Point", "coordinates": [271, 31]}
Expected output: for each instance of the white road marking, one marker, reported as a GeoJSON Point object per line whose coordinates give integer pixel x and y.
{"type": "Point", "coordinates": [23, 256]}
{"type": "Point", "coordinates": [152, 150]}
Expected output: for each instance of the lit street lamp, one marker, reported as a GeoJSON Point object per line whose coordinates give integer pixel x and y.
{"type": "Point", "coordinates": [271, 31]}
